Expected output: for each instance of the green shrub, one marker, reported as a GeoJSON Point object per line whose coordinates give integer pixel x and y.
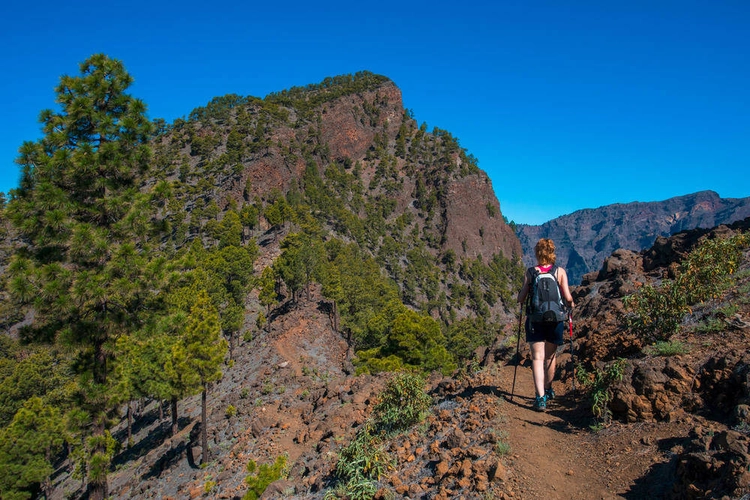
{"type": "Point", "coordinates": [261, 476]}
{"type": "Point", "coordinates": [706, 271]}
{"type": "Point", "coordinates": [402, 403]}
{"type": "Point", "coordinates": [361, 464]}
{"type": "Point", "coordinates": [208, 486]}
{"type": "Point", "coordinates": [502, 447]}
{"type": "Point", "coordinates": [598, 383]}
{"type": "Point", "coordinates": [655, 313]}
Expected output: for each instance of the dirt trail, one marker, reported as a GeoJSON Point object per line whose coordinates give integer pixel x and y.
{"type": "Point", "coordinates": [553, 454]}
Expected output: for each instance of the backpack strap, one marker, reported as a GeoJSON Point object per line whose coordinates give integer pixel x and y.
{"type": "Point", "coordinates": [553, 272]}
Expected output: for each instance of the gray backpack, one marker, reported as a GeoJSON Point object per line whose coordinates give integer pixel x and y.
{"type": "Point", "coordinates": [545, 300]}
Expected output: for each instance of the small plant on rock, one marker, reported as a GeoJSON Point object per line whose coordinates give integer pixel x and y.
{"type": "Point", "coordinates": [360, 465]}
{"type": "Point", "coordinates": [502, 447]}
{"type": "Point", "coordinates": [402, 404]}
{"type": "Point", "coordinates": [599, 385]}
{"type": "Point", "coordinates": [208, 486]}
{"type": "Point", "coordinates": [261, 476]}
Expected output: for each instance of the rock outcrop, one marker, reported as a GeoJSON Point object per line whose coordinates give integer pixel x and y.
{"type": "Point", "coordinates": [706, 386]}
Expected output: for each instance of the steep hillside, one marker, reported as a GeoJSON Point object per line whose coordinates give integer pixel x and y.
{"type": "Point", "coordinates": [348, 150]}
{"type": "Point", "coordinates": [143, 266]}
{"type": "Point", "coordinates": [586, 237]}
{"type": "Point", "coordinates": [678, 426]}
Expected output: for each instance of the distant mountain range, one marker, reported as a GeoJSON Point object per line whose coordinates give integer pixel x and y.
{"type": "Point", "coordinates": [586, 237]}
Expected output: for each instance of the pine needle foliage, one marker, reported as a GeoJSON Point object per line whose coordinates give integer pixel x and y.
{"type": "Point", "coordinates": [263, 475]}
{"type": "Point", "coordinates": [86, 267]}
{"type": "Point", "coordinates": [27, 449]}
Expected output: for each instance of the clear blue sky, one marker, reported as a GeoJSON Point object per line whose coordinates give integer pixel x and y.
{"type": "Point", "coordinates": [567, 105]}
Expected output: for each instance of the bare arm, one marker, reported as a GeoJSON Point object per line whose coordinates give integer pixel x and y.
{"type": "Point", "coordinates": [563, 280]}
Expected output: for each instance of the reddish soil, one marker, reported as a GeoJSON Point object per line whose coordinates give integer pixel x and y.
{"type": "Point", "coordinates": [556, 455]}
{"type": "Point", "coordinates": [680, 427]}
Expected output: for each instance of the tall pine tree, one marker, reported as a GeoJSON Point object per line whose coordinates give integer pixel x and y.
{"type": "Point", "coordinates": [86, 224]}
{"type": "Point", "coordinates": [201, 352]}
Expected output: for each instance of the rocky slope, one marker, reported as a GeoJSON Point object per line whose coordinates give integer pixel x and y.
{"type": "Point", "coordinates": [400, 192]}
{"type": "Point", "coordinates": [704, 390]}
{"type": "Point", "coordinates": [679, 428]}
{"type": "Point", "coordinates": [586, 237]}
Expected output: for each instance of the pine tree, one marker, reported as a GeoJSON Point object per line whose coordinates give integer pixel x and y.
{"type": "Point", "coordinates": [181, 380]}
{"type": "Point", "coordinates": [334, 290]}
{"type": "Point", "coordinates": [27, 448]}
{"type": "Point", "coordinates": [204, 351]}
{"type": "Point", "coordinates": [267, 289]}
{"type": "Point", "coordinates": [86, 225]}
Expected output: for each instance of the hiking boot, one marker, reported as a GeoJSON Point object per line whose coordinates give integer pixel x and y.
{"type": "Point", "coordinates": [540, 403]}
{"type": "Point", "coordinates": [549, 394]}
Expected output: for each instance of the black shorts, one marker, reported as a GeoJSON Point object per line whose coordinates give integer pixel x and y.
{"type": "Point", "coordinates": [541, 332]}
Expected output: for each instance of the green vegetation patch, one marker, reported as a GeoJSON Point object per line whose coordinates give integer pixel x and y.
{"type": "Point", "coordinates": [655, 312]}
{"type": "Point", "coordinates": [402, 404]}
{"type": "Point", "coordinates": [667, 348]}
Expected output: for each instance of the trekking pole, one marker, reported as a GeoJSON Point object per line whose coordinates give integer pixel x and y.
{"type": "Point", "coordinates": [518, 355]}
{"type": "Point", "coordinates": [572, 354]}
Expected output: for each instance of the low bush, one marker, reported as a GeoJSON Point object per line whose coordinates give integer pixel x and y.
{"type": "Point", "coordinates": [655, 312]}
{"type": "Point", "coordinates": [599, 386]}
{"type": "Point", "coordinates": [403, 403]}
{"type": "Point", "coordinates": [261, 476]}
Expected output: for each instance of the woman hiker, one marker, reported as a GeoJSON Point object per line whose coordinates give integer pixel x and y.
{"type": "Point", "coordinates": [544, 337]}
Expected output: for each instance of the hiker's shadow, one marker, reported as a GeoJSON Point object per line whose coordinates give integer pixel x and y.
{"type": "Point", "coordinates": [569, 409]}
{"type": "Point", "coordinates": [660, 479]}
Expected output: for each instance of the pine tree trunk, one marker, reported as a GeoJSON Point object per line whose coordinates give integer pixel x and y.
{"type": "Point", "coordinates": [204, 429]}
{"type": "Point", "coordinates": [335, 316]}
{"type": "Point", "coordinates": [174, 417]}
{"type": "Point", "coordinates": [98, 486]}
{"type": "Point", "coordinates": [47, 483]}
{"type": "Point", "coordinates": [130, 424]}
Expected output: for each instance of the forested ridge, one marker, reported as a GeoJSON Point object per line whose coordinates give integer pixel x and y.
{"type": "Point", "coordinates": [138, 257]}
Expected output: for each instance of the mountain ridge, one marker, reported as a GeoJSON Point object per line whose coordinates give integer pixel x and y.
{"type": "Point", "coordinates": [377, 178]}
{"type": "Point", "coordinates": [330, 240]}
{"type": "Point", "coordinates": [586, 237]}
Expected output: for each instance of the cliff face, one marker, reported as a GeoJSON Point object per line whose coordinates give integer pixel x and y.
{"type": "Point", "coordinates": [586, 237]}
{"type": "Point", "coordinates": [466, 224]}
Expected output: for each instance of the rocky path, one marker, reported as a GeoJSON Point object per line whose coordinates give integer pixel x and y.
{"type": "Point", "coordinates": [554, 455]}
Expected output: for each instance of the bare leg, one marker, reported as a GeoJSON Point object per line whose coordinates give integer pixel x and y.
{"type": "Point", "coordinates": [550, 363]}
{"type": "Point", "coordinates": [538, 366]}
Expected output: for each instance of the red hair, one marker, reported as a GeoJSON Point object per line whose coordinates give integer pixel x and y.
{"type": "Point", "coordinates": [545, 251]}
